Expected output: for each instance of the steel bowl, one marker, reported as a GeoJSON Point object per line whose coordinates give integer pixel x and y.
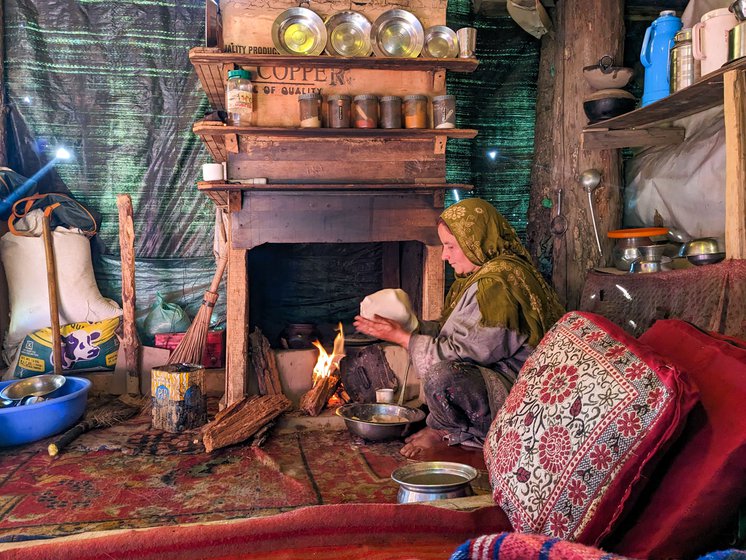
{"type": "Point", "coordinates": [701, 246]}
{"type": "Point", "coordinates": [440, 42]}
{"type": "Point", "coordinates": [646, 267]}
{"type": "Point", "coordinates": [37, 386]}
{"type": "Point", "coordinates": [348, 34]}
{"type": "Point", "coordinates": [299, 31]}
{"type": "Point", "coordinates": [710, 258]}
{"type": "Point", "coordinates": [397, 33]}
{"type": "Point", "coordinates": [379, 421]}
{"type": "Point", "coordinates": [433, 480]}
{"type": "Point", "coordinates": [652, 253]}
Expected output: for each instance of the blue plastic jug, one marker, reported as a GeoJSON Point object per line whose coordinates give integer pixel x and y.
{"type": "Point", "coordinates": [654, 55]}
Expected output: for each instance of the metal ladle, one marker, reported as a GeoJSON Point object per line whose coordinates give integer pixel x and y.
{"type": "Point", "coordinates": [589, 180]}
{"type": "Point", "coordinates": [558, 225]}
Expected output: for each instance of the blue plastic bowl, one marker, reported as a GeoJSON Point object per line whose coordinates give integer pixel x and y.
{"type": "Point", "coordinates": [32, 422]}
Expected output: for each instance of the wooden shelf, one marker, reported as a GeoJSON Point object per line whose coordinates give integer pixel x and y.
{"type": "Point", "coordinates": [222, 139]}
{"type": "Point", "coordinates": [219, 191]}
{"type": "Point", "coordinates": [704, 94]}
{"type": "Point", "coordinates": [211, 65]}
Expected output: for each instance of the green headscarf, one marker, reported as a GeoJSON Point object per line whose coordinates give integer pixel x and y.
{"type": "Point", "coordinates": [510, 291]}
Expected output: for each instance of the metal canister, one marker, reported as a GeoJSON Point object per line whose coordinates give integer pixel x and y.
{"type": "Point", "coordinates": [390, 106]}
{"type": "Point", "coordinates": [684, 68]}
{"type": "Point", "coordinates": [365, 111]}
{"type": "Point", "coordinates": [338, 111]}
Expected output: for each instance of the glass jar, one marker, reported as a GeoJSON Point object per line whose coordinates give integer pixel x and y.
{"type": "Point", "coordinates": [365, 111]}
{"type": "Point", "coordinates": [338, 111]}
{"type": "Point", "coordinates": [239, 98]}
{"type": "Point", "coordinates": [390, 111]}
{"type": "Point", "coordinates": [444, 111]}
{"type": "Point", "coordinates": [415, 111]}
{"type": "Point", "coordinates": [310, 110]}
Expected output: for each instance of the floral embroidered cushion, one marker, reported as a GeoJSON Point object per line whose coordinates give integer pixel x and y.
{"type": "Point", "coordinates": [590, 410]}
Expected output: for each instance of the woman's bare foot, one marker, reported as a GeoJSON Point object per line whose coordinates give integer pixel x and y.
{"type": "Point", "coordinates": [418, 443]}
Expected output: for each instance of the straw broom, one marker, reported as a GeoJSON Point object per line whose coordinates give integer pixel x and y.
{"type": "Point", "coordinates": [192, 346]}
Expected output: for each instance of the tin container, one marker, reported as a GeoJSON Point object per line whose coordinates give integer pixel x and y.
{"type": "Point", "coordinates": [390, 108]}
{"type": "Point", "coordinates": [397, 33]}
{"type": "Point", "coordinates": [310, 110]}
{"type": "Point", "coordinates": [433, 480]}
{"type": "Point", "coordinates": [299, 31]}
{"type": "Point", "coordinates": [338, 111]}
{"type": "Point", "coordinates": [444, 111]}
{"type": "Point", "coordinates": [348, 34]}
{"type": "Point", "coordinates": [440, 42]}
{"type": "Point", "coordinates": [415, 111]}
{"type": "Point", "coordinates": [365, 111]}
{"type": "Point", "coordinates": [685, 69]}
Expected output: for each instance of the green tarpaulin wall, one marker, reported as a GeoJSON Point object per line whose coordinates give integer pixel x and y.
{"type": "Point", "coordinates": [112, 82]}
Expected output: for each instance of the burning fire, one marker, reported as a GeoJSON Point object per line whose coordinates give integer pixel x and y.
{"type": "Point", "coordinates": [326, 364]}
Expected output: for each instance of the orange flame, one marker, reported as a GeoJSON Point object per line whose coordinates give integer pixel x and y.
{"type": "Point", "coordinates": [326, 364]}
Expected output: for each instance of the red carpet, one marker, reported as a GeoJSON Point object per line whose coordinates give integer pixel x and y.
{"type": "Point", "coordinates": [342, 532]}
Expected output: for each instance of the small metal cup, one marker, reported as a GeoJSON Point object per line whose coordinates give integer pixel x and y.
{"type": "Point", "coordinates": [467, 42]}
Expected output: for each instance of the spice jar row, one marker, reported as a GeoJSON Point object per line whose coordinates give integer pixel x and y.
{"type": "Point", "coordinates": [370, 111]}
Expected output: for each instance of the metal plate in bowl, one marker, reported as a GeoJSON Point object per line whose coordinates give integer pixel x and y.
{"type": "Point", "coordinates": [397, 33]}
{"type": "Point", "coordinates": [36, 386]}
{"type": "Point", "coordinates": [299, 31]}
{"type": "Point", "coordinates": [348, 34]}
{"type": "Point", "coordinates": [440, 42]}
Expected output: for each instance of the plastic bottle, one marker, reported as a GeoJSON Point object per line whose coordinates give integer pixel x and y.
{"type": "Point", "coordinates": [239, 98]}
{"type": "Point", "coordinates": [658, 41]}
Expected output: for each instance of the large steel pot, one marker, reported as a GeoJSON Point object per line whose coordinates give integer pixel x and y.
{"type": "Point", "coordinates": [433, 480]}
{"type": "Point", "coordinates": [379, 421]}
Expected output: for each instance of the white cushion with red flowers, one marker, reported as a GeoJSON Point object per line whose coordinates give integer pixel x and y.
{"type": "Point", "coordinates": [591, 408]}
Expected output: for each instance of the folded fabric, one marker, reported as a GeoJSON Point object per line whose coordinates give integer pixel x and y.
{"type": "Point", "coordinates": [695, 492]}
{"type": "Point", "coordinates": [591, 411]}
{"type": "Point", "coordinates": [519, 546]}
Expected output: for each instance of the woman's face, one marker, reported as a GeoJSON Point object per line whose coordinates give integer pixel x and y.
{"type": "Point", "coordinates": [452, 252]}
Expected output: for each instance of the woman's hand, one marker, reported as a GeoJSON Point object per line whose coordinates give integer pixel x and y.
{"type": "Point", "coordinates": [383, 328]}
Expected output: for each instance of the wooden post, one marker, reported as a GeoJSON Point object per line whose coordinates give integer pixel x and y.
{"type": "Point", "coordinates": [734, 83]}
{"type": "Point", "coordinates": [237, 327]}
{"type": "Point", "coordinates": [584, 31]}
{"type": "Point", "coordinates": [3, 101]}
{"type": "Point", "coordinates": [130, 341]}
{"type": "Point", "coordinates": [433, 283]}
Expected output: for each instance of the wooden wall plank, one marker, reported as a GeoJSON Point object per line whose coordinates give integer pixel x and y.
{"type": "Point", "coordinates": [433, 282]}
{"type": "Point", "coordinates": [329, 217]}
{"type": "Point", "coordinates": [735, 167]}
{"type": "Point", "coordinates": [237, 324]}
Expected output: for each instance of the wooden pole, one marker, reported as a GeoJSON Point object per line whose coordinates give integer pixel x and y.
{"type": "Point", "coordinates": [3, 98]}
{"type": "Point", "coordinates": [130, 342]}
{"type": "Point", "coordinates": [735, 167]}
{"type": "Point", "coordinates": [584, 31]}
{"type": "Point", "coordinates": [54, 311]}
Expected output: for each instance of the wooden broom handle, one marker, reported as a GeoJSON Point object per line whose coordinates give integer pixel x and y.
{"type": "Point", "coordinates": [54, 312]}
{"type": "Point", "coordinates": [222, 263]}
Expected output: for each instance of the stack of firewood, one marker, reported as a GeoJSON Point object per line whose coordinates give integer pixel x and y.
{"type": "Point", "coordinates": [251, 416]}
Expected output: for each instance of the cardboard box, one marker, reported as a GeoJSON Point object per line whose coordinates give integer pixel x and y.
{"type": "Point", "coordinates": [214, 354]}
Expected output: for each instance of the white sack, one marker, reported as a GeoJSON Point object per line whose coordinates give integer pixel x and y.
{"type": "Point", "coordinates": [392, 304]}
{"type": "Point", "coordinates": [684, 183]}
{"type": "Point", "coordinates": [26, 270]}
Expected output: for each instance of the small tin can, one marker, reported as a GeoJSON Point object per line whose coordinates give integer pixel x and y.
{"type": "Point", "coordinates": [415, 111]}
{"type": "Point", "coordinates": [444, 111]}
{"type": "Point", "coordinates": [365, 111]}
{"type": "Point", "coordinates": [390, 111]}
{"type": "Point", "coordinates": [338, 111]}
{"type": "Point", "coordinates": [310, 110]}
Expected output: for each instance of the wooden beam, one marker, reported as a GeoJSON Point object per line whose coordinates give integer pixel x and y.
{"type": "Point", "coordinates": [433, 283]}
{"type": "Point", "coordinates": [130, 342]}
{"type": "Point", "coordinates": [735, 167]}
{"type": "Point", "coordinates": [237, 325]}
{"type": "Point", "coordinates": [612, 139]}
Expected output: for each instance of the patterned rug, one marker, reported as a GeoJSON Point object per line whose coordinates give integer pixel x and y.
{"type": "Point", "coordinates": [78, 491]}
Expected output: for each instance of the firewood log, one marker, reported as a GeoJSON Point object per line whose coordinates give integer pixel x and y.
{"type": "Point", "coordinates": [313, 402]}
{"type": "Point", "coordinates": [264, 364]}
{"type": "Point", "coordinates": [242, 420]}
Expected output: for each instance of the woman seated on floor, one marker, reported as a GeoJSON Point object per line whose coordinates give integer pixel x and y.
{"type": "Point", "coordinates": [495, 313]}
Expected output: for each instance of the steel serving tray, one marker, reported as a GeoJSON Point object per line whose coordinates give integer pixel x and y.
{"type": "Point", "coordinates": [397, 33]}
